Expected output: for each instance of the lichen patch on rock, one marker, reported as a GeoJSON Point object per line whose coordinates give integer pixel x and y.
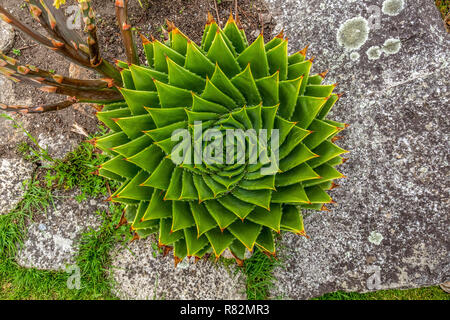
{"type": "Point", "coordinates": [392, 46]}
{"type": "Point", "coordinates": [392, 7]}
{"type": "Point", "coordinates": [353, 33]}
{"type": "Point", "coordinates": [374, 53]}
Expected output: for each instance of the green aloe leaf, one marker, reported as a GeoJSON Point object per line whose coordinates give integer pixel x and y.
{"type": "Point", "coordinates": [107, 117]}
{"type": "Point", "coordinates": [220, 53]}
{"type": "Point", "coordinates": [265, 241]}
{"type": "Point", "coordinates": [119, 166]}
{"type": "Point", "coordinates": [203, 219]}
{"type": "Point", "coordinates": [222, 215]}
{"type": "Point", "coordinates": [246, 232]}
{"type": "Point", "coordinates": [258, 197]}
{"type": "Point", "coordinates": [135, 125]}
{"type": "Point", "coordinates": [292, 219]}
{"type": "Point", "coordinates": [134, 190]}
{"type": "Point", "coordinates": [143, 77]}
{"type": "Point", "coordinates": [294, 193]}
{"type": "Point", "coordinates": [183, 78]}
{"type": "Point", "coordinates": [269, 90]}
{"type": "Point", "coordinates": [182, 216]}
{"type": "Point", "coordinates": [160, 177]}
{"type": "Point", "coordinates": [220, 240]}
{"type": "Point", "coordinates": [197, 62]}
{"type": "Point", "coordinates": [278, 59]}
{"type": "Point", "coordinates": [161, 53]}
{"type": "Point", "coordinates": [255, 56]}
{"type": "Point", "coordinates": [138, 100]}
{"type": "Point", "coordinates": [166, 116]}
{"type": "Point", "coordinates": [269, 218]}
{"type": "Point", "coordinates": [166, 236]}
{"type": "Point", "coordinates": [173, 97]}
{"type": "Point", "coordinates": [158, 207]}
{"type": "Point", "coordinates": [193, 242]}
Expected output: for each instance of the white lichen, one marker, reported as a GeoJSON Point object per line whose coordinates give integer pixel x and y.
{"type": "Point", "coordinates": [392, 7]}
{"type": "Point", "coordinates": [374, 53]}
{"type": "Point", "coordinates": [392, 46]}
{"type": "Point", "coordinates": [375, 238]}
{"type": "Point", "coordinates": [353, 33]}
{"type": "Point", "coordinates": [354, 56]}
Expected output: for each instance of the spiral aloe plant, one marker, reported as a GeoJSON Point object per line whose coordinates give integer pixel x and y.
{"type": "Point", "coordinates": [195, 205]}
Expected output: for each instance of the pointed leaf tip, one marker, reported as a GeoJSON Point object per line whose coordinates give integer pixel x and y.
{"type": "Point", "coordinates": [210, 18]}
{"type": "Point", "coordinates": [176, 260]}
{"type": "Point", "coordinates": [135, 237]}
{"type": "Point", "coordinates": [230, 18]}
{"type": "Point", "coordinates": [144, 39]}
{"type": "Point", "coordinates": [323, 74]}
{"type": "Point", "coordinates": [170, 25]}
{"type": "Point", "coordinates": [304, 50]}
{"type": "Point", "coordinates": [280, 35]}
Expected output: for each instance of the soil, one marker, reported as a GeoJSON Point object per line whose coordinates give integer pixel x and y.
{"type": "Point", "coordinates": [188, 15]}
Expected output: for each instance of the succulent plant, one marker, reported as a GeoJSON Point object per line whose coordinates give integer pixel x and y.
{"type": "Point", "coordinates": [224, 84]}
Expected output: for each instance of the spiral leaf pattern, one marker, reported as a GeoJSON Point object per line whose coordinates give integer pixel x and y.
{"type": "Point", "coordinates": [200, 207]}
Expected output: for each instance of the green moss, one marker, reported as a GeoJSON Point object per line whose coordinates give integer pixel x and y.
{"type": "Point", "coordinates": [428, 293]}
{"type": "Point", "coordinates": [443, 6]}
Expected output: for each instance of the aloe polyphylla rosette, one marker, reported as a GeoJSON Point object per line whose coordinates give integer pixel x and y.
{"type": "Point", "coordinates": [225, 83]}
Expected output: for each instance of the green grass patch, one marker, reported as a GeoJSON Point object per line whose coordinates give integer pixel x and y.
{"type": "Point", "coordinates": [428, 293]}
{"type": "Point", "coordinates": [13, 225]}
{"type": "Point", "coordinates": [77, 170]}
{"type": "Point", "coordinates": [94, 253]}
{"type": "Point", "coordinates": [258, 270]}
{"type": "Point", "coordinates": [443, 6]}
{"type": "Point", "coordinates": [92, 262]}
{"type": "Point", "coordinates": [88, 277]}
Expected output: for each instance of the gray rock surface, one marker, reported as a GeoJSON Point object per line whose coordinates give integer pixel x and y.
{"type": "Point", "coordinates": [390, 226]}
{"type": "Point", "coordinates": [141, 275]}
{"type": "Point", "coordinates": [6, 36]}
{"type": "Point", "coordinates": [13, 171]}
{"type": "Point", "coordinates": [52, 237]}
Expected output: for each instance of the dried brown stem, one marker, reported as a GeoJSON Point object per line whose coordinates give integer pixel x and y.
{"type": "Point", "coordinates": [54, 22]}
{"type": "Point", "coordinates": [82, 94]}
{"type": "Point", "coordinates": [217, 13]}
{"type": "Point", "coordinates": [8, 18]}
{"type": "Point", "coordinates": [70, 51]}
{"type": "Point", "coordinates": [40, 108]}
{"type": "Point", "coordinates": [55, 45]}
{"type": "Point", "coordinates": [90, 28]}
{"type": "Point", "coordinates": [9, 66]}
{"type": "Point", "coordinates": [126, 32]}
